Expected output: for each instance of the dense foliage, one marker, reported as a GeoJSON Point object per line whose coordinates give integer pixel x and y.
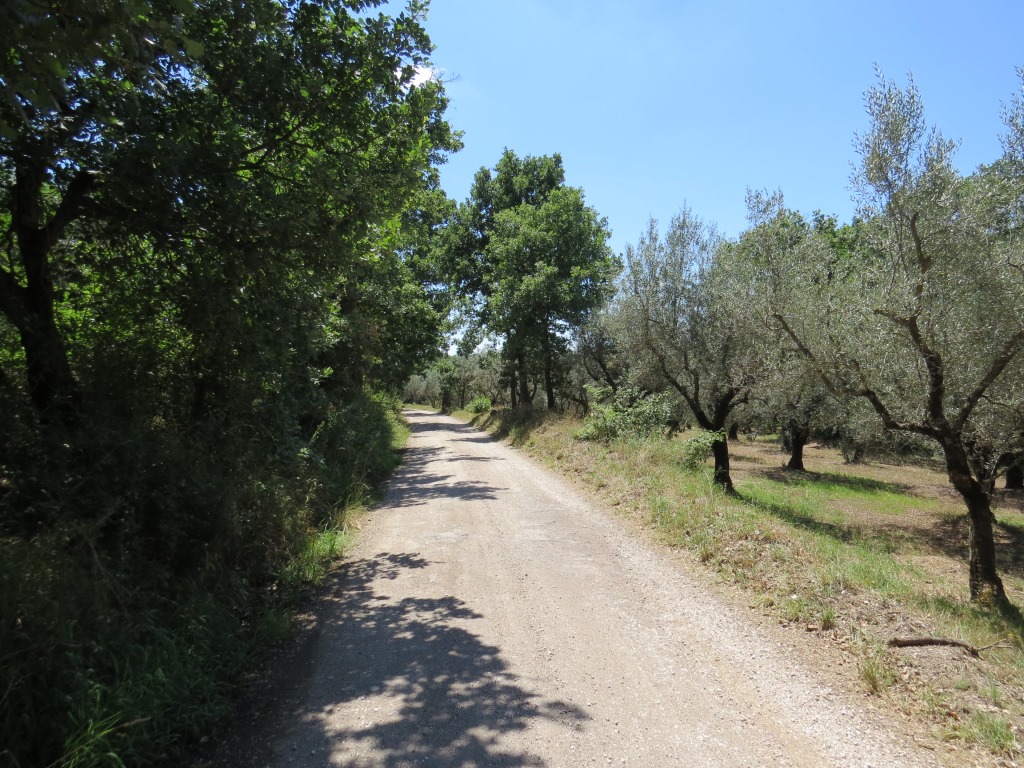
{"type": "Point", "coordinates": [531, 260]}
{"type": "Point", "coordinates": [628, 412]}
{"type": "Point", "coordinates": [209, 228]}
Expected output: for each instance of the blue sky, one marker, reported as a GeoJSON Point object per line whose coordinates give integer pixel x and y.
{"type": "Point", "coordinates": [653, 104]}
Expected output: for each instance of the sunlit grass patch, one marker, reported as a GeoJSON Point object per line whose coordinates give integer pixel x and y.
{"type": "Point", "coordinates": [1010, 519]}
{"type": "Point", "coordinates": [839, 492]}
{"type": "Point", "coordinates": [991, 729]}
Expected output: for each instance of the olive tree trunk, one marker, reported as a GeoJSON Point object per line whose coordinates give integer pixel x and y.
{"type": "Point", "coordinates": [720, 452]}
{"type": "Point", "coordinates": [985, 584]}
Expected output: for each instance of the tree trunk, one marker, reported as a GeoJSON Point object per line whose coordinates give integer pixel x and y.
{"type": "Point", "coordinates": [524, 385]}
{"type": "Point", "coordinates": [1015, 475]}
{"type": "Point", "coordinates": [720, 450]}
{"type": "Point", "coordinates": [797, 438]}
{"type": "Point", "coordinates": [55, 392]}
{"type": "Point", "coordinates": [52, 386]}
{"type": "Point", "coordinates": [549, 385]}
{"type": "Point", "coordinates": [734, 431]}
{"type": "Point", "coordinates": [985, 584]}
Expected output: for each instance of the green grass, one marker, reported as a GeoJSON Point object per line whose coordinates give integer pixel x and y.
{"type": "Point", "coordinates": [991, 729]}
{"type": "Point", "coordinates": [310, 566]}
{"type": "Point", "coordinates": [826, 489]}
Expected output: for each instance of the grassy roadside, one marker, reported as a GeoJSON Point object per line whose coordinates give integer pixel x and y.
{"type": "Point", "coordinates": [855, 554]}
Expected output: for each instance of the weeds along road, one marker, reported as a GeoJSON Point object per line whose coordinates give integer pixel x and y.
{"type": "Point", "coordinates": [490, 617]}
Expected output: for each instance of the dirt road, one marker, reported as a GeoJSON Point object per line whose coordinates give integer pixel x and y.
{"type": "Point", "coordinates": [490, 617]}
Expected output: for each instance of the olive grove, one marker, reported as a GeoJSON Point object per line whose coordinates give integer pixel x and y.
{"type": "Point", "coordinates": [925, 320]}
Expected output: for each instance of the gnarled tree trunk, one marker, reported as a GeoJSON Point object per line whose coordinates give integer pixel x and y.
{"type": "Point", "coordinates": [720, 452]}
{"type": "Point", "coordinates": [795, 438]}
{"type": "Point", "coordinates": [985, 584]}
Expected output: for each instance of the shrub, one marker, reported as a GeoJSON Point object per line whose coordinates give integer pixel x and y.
{"type": "Point", "coordinates": [134, 576]}
{"type": "Point", "coordinates": [694, 451]}
{"type": "Point", "coordinates": [631, 413]}
{"type": "Point", "coordinates": [479, 404]}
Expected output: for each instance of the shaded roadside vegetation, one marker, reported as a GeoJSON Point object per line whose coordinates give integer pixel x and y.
{"type": "Point", "coordinates": [855, 554]}
{"type": "Point", "coordinates": [210, 216]}
{"type": "Point", "coordinates": [121, 649]}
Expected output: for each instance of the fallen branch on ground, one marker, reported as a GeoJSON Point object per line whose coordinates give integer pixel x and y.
{"type": "Point", "coordinates": [916, 642]}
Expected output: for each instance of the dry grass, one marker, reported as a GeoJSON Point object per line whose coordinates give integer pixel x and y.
{"type": "Point", "coordinates": [857, 554]}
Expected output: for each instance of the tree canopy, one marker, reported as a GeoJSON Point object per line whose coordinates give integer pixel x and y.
{"type": "Point", "coordinates": [213, 218]}
{"type": "Point", "coordinates": [533, 262]}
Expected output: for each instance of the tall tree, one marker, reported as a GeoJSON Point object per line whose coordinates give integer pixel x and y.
{"type": "Point", "coordinates": [926, 322]}
{"type": "Point", "coordinates": [533, 259]}
{"type": "Point", "coordinates": [549, 268]}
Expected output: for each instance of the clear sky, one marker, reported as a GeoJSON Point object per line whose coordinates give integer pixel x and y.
{"type": "Point", "coordinates": [657, 103]}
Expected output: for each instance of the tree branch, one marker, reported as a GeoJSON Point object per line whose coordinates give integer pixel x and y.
{"type": "Point", "coordinates": [1002, 360]}
{"type": "Point", "coordinates": [865, 391]}
{"type": "Point", "coordinates": [888, 420]}
{"type": "Point", "coordinates": [69, 208]}
{"type": "Point", "coordinates": [919, 642]}
{"type": "Point", "coordinates": [924, 263]}
{"type": "Point", "coordinates": [698, 412]}
{"type": "Point", "coordinates": [936, 372]}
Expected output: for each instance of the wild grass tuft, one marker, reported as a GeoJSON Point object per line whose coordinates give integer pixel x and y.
{"type": "Point", "coordinates": [877, 676]}
{"type": "Point", "coordinates": [827, 618]}
{"type": "Point", "coordinates": [990, 729]}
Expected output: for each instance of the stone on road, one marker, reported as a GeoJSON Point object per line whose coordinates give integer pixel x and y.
{"type": "Point", "coordinates": [490, 616]}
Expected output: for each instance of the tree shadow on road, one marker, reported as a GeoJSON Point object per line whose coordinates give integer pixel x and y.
{"type": "Point", "coordinates": [455, 694]}
{"type": "Point", "coordinates": [442, 426]}
{"type": "Point", "coordinates": [413, 484]}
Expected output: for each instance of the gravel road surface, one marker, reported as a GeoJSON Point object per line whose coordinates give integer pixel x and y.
{"type": "Point", "coordinates": [490, 616]}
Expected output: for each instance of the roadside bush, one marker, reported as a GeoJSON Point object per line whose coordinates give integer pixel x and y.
{"type": "Point", "coordinates": [134, 575]}
{"type": "Point", "coordinates": [479, 404]}
{"type": "Point", "coordinates": [631, 413]}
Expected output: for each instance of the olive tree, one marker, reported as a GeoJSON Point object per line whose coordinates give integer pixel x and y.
{"type": "Point", "coordinates": [925, 320]}
{"type": "Point", "coordinates": [789, 398]}
{"type": "Point", "coordinates": [683, 323]}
